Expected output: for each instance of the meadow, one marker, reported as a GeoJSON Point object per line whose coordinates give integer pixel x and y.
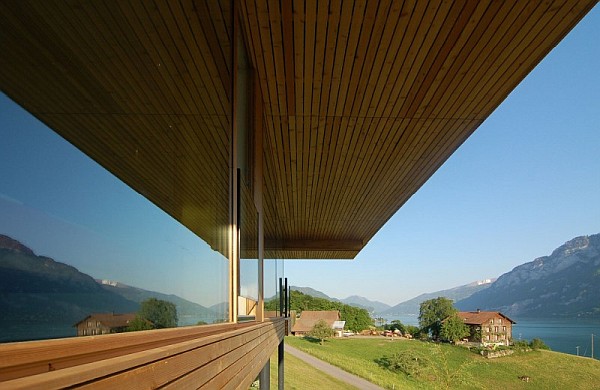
{"type": "Point", "coordinates": [450, 367]}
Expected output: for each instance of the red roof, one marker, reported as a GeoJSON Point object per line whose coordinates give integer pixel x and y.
{"type": "Point", "coordinates": [481, 317]}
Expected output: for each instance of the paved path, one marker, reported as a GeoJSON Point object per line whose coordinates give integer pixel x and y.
{"type": "Point", "coordinates": [332, 370]}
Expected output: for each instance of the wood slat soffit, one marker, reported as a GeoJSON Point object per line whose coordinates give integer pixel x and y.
{"type": "Point", "coordinates": [362, 101]}
{"type": "Point", "coordinates": [365, 100]}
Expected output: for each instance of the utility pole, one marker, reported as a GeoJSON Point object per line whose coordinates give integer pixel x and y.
{"type": "Point", "coordinates": [592, 345]}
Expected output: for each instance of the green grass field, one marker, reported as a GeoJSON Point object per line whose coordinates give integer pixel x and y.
{"type": "Point", "coordinates": [302, 376]}
{"type": "Point", "coordinates": [452, 368]}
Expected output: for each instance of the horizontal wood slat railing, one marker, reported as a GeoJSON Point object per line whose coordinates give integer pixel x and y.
{"type": "Point", "coordinates": [224, 355]}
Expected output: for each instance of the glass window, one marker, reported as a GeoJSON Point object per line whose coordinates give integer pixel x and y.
{"type": "Point", "coordinates": [82, 242]}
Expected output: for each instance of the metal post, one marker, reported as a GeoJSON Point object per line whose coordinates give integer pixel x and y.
{"type": "Point", "coordinates": [281, 297]}
{"type": "Point", "coordinates": [264, 377]}
{"type": "Point", "coordinates": [280, 372]}
{"type": "Point", "coordinates": [287, 308]}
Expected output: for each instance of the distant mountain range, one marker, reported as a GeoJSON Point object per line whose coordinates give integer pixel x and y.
{"type": "Point", "coordinates": [44, 298]}
{"type": "Point", "coordinates": [564, 284]}
{"type": "Point", "coordinates": [354, 300]}
{"type": "Point", "coordinates": [412, 306]}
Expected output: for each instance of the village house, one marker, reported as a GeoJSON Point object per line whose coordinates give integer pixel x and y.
{"type": "Point", "coordinates": [103, 323]}
{"type": "Point", "coordinates": [488, 327]}
{"type": "Point", "coordinates": [308, 319]}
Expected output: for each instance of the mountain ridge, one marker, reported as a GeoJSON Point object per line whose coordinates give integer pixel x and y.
{"type": "Point", "coordinates": [371, 306]}
{"type": "Point", "coordinates": [412, 306]}
{"type": "Point", "coordinates": [564, 284]}
{"type": "Point", "coordinates": [44, 298]}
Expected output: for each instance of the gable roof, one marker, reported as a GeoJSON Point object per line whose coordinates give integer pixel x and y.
{"type": "Point", "coordinates": [481, 317]}
{"type": "Point", "coordinates": [110, 320]}
{"type": "Point", "coordinates": [308, 319]}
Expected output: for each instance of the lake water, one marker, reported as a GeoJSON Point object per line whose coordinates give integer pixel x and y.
{"type": "Point", "coordinates": [561, 335]}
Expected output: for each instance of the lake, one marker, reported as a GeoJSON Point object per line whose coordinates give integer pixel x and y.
{"type": "Point", "coordinates": [561, 335]}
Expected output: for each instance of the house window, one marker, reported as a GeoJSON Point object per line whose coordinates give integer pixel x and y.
{"type": "Point", "coordinates": [496, 329]}
{"type": "Point", "coordinates": [504, 329]}
{"type": "Point", "coordinates": [500, 320]}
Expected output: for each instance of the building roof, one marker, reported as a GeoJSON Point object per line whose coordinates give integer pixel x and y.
{"type": "Point", "coordinates": [481, 317]}
{"type": "Point", "coordinates": [309, 318]}
{"type": "Point", "coordinates": [110, 320]}
{"type": "Point", "coordinates": [361, 103]}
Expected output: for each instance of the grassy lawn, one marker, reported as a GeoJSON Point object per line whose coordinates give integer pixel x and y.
{"type": "Point", "coordinates": [454, 367]}
{"type": "Point", "coordinates": [300, 375]}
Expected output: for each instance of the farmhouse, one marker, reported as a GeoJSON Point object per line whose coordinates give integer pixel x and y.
{"type": "Point", "coordinates": [103, 323]}
{"type": "Point", "coordinates": [488, 327]}
{"type": "Point", "coordinates": [309, 318]}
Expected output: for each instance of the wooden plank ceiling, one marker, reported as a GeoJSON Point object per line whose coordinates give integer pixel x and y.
{"type": "Point", "coordinates": [362, 100]}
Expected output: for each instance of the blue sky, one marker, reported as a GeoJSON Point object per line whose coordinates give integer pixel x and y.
{"type": "Point", "coordinates": [527, 181]}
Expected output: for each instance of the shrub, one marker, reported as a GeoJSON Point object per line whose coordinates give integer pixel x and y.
{"type": "Point", "coordinates": [409, 362]}
{"type": "Point", "coordinates": [538, 344]}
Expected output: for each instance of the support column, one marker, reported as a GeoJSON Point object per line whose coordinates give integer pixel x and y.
{"type": "Point", "coordinates": [264, 377]}
{"type": "Point", "coordinates": [280, 373]}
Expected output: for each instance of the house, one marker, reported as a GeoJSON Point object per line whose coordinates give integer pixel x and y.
{"type": "Point", "coordinates": [308, 319]}
{"type": "Point", "coordinates": [488, 327]}
{"type": "Point", "coordinates": [271, 130]}
{"type": "Point", "coordinates": [104, 323]}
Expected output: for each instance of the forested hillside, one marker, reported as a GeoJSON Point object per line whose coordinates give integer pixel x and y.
{"type": "Point", "coordinates": [356, 318]}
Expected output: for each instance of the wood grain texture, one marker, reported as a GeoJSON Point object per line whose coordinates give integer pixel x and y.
{"type": "Point", "coordinates": [230, 355]}
{"type": "Point", "coordinates": [360, 101]}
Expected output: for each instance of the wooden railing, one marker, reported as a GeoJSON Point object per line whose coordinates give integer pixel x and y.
{"type": "Point", "coordinates": [211, 356]}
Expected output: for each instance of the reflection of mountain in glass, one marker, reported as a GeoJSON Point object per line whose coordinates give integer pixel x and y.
{"type": "Point", "coordinates": [41, 298]}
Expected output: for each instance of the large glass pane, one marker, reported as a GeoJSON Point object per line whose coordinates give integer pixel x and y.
{"type": "Point", "coordinates": [78, 247]}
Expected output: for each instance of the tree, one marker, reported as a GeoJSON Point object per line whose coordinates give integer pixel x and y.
{"type": "Point", "coordinates": [454, 329]}
{"type": "Point", "coordinates": [155, 314]}
{"type": "Point", "coordinates": [321, 331]}
{"type": "Point", "coordinates": [396, 324]}
{"type": "Point", "coordinates": [356, 318]}
{"type": "Point", "coordinates": [139, 323]}
{"type": "Point", "coordinates": [433, 312]}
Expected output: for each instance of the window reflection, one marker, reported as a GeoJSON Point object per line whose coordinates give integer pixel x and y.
{"type": "Point", "coordinates": [79, 244]}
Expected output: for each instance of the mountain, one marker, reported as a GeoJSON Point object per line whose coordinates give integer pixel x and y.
{"type": "Point", "coordinates": [312, 292]}
{"type": "Point", "coordinates": [43, 298]}
{"type": "Point", "coordinates": [412, 306]}
{"type": "Point", "coordinates": [189, 313]}
{"type": "Point", "coordinates": [362, 302]}
{"type": "Point", "coordinates": [354, 300]}
{"type": "Point", "coordinates": [564, 284]}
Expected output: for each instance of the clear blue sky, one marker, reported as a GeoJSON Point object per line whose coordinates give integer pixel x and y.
{"type": "Point", "coordinates": [527, 181]}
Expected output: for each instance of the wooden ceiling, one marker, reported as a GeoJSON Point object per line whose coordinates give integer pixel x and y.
{"type": "Point", "coordinates": [362, 100]}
